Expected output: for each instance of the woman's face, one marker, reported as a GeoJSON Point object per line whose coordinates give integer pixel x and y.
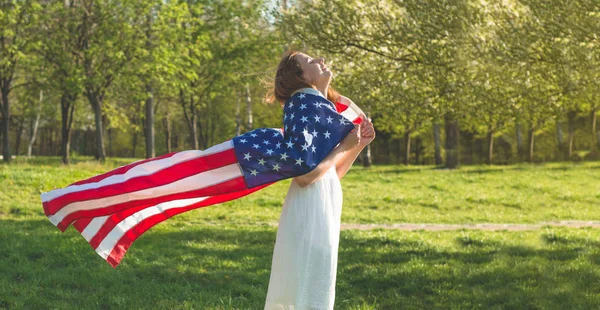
{"type": "Point", "coordinates": [314, 70]}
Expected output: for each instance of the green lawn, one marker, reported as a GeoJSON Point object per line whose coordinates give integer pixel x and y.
{"type": "Point", "coordinates": [219, 257]}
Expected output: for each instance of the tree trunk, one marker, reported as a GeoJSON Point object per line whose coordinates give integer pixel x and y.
{"type": "Point", "coordinates": [249, 107]}
{"type": "Point", "coordinates": [531, 143]}
{"type": "Point", "coordinates": [238, 117]}
{"type": "Point", "coordinates": [5, 109]}
{"type": "Point", "coordinates": [560, 140]}
{"type": "Point", "coordinates": [452, 155]}
{"type": "Point", "coordinates": [519, 133]}
{"type": "Point", "coordinates": [20, 133]}
{"type": "Point", "coordinates": [437, 144]}
{"type": "Point", "coordinates": [134, 143]}
{"type": "Point", "coordinates": [34, 127]}
{"type": "Point", "coordinates": [571, 117]}
{"type": "Point", "coordinates": [407, 146]}
{"type": "Point", "coordinates": [97, 107]}
{"type": "Point", "coordinates": [168, 134]}
{"type": "Point", "coordinates": [149, 132]}
{"type": "Point", "coordinates": [418, 149]}
{"type": "Point", "coordinates": [67, 108]}
{"type": "Point", "coordinates": [595, 133]}
{"type": "Point", "coordinates": [191, 120]}
{"type": "Point", "coordinates": [490, 147]}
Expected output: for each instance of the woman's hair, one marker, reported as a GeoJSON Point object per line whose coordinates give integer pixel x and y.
{"type": "Point", "coordinates": [289, 78]}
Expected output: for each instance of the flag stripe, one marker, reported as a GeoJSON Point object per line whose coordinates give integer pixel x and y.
{"type": "Point", "coordinates": [107, 244]}
{"type": "Point", "coordinates": [93, 227]}
{"type": "Point", "coordinates": [82, 223]}
{"type": "Point", "coordinates": [133, 232]}
{"type": "Point", "coordinates": [121, 170]}
{"type": "Point", "coordinates": [161, 177]}
{"type": "Point", "coordinates": [143, 169]}
{"type": "Point", "coordinates": [233, 185]}
{"type": "Point", "coordinates": [127, 200]}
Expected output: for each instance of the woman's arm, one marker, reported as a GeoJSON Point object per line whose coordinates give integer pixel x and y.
{"type": "Point", "coordinates": [346, 161]}
{"type": "Point", "coordinates": [367, 136]}
{"type": "Point", "coordinates": [334, 156]}
{"type": "Point", "coordinates": [350, 142]}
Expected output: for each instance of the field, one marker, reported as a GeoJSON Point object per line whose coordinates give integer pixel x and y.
{"type": "Point", "coordinates": [219, 257]}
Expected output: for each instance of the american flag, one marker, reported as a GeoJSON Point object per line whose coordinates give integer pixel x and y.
{"type": "Point", "coordinates": [113, 209]}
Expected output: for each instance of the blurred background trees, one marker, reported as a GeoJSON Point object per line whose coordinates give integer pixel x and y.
{"type": "Point", "coordinates": [445, 82]}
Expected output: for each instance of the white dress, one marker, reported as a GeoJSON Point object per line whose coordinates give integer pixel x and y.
{"type": "Point", "coordinates": [304, 266]}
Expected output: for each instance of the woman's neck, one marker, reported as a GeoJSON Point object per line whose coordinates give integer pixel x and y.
{"type": "Point", "coordinates": [323, 89]}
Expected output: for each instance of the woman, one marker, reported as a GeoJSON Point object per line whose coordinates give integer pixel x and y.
{"type": "Point", "coordinates": [304, 265]}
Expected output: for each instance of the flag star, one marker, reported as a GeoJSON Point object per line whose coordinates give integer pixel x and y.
{"type": "Point", "coordinates": [291, 104]}
{"type": "Point", "coordinates": [304, 119]}
{"type": "Point", "coordinates": [253, 135]}
{"type": "Point", "coordinates": [303, 106]}
{"type": "Point", "coordinates": [263, 130]}
{"type": "Point", "coordinates": [317, 119]}
{"type": "Point", "coordinates": [276, 167]}
{"type": "Point", "coordinates": [327, 134]}
{"type": "Point", "coordinates": [342, 120]}
{"type": "Point", "coordinates": [294, 127]}
{"type": "Point", "coordinates": [255, 146]}
{"type": "Point", "coordinates": [301, 96]}
{"type": "Point", "coordinates": [254, 172]}
{"type": "Point", "coordinates": [314, 133]}
{"type": "Point", "coordinates": [299, 161]}
{"type": "Point", "coordinates": [243, 141]}
{"type": "Point", "coordinates": [296, 138]}
{"type": "Point", "coordinates": [314, 149]}
{"type": "Point", "coordinates": [290, 144]}
{"type": "Point", "coordinates": [277, 133]}
{"type": "Point", "coordinates": [305, 147]}
{"type": "Point", "coordinates": [292, 116]}
{"type": "Point", "coordinates": [329, 119]}
{"type": "Point", "coordinates": [284, 117]}
{"type": "Point", "coordinates": [247, 156]}
{"type": "Point", "coordinates": [265, 142]}
{"type": "Point", "coordinates": [284, 127]}
{"type": "Point", "coordinates": [269, 152]}
{"type": "Point", "coordinates": [284, 156]}
{"type": "Point", "coordinates": [261, 161]}
{"type": "Point", "coordinates": [278, 145]}
{"type": "Point", "coordinates": [305, 132]}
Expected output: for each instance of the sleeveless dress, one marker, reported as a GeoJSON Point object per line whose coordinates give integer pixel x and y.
{"type": "Point", "coordinates": [304, 266]}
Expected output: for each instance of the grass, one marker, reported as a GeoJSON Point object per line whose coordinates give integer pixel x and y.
{"type": "Point", "coordinates": [219, 257]}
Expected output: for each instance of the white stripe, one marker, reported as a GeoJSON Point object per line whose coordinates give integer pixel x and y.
{"type": "Point", "coordinates": [140, 170]}
{"type": "Point", "coordinates": [109, 242]}
{"type": "Point", "coordinates": [194, 182]}
{"type": "Point", "coordinates": [93, 227]}
{"type": "Point", "coordinates": [349, 114]}
{"type": "Point", "coordinates": [353, 111]}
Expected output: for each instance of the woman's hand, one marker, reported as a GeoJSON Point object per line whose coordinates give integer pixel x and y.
{"type": "Point", "coordinates": [352, 139]}
{"type": "Point", "coordinates": [367, 131]}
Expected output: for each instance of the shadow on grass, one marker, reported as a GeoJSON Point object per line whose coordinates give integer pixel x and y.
{"type": "Point", "coordinates": [224, 267]}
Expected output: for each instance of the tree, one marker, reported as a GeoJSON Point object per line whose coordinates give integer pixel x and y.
{"type": "Point", "coordinates": [18, 22]}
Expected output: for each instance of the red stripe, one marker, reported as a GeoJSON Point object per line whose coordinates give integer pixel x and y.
{"type": "Point", "coordinates": [232, 185]}
{"type": "Point", "coordinates": [340, 107]}
{"type": "Point", "coordinates": [121, 170]}
{"type": "Point", "coordinates": [159, 178]}
{"type": "Point", "coordinates": [81, 224]}
{"type": "Point", "coordinates": [130, 236]}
